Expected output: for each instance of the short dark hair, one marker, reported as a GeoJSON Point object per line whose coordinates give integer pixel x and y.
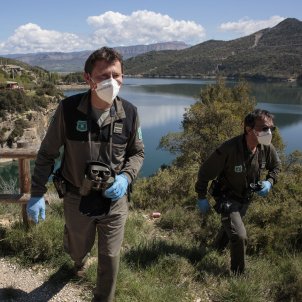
{"type": "Point", "coordinates": [250, 119]}
{"type": "Point", "coordinates": [107, 54]}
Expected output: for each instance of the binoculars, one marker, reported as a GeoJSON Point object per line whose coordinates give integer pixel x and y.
{"type": "Point", "coordinates": [98, 177]}
{"type": "Point", "coordinates": [256, 186]}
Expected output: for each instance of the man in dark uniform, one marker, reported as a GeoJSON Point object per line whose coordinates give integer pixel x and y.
{"type": "Point", "coordinates": [236, 168]}
{"type": "Point", "coordinates": [103, 153]}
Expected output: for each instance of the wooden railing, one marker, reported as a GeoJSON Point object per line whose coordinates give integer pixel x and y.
{"type": "Point", "coordinates": [24, 155]}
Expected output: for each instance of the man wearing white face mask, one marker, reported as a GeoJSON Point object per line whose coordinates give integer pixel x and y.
{"type": "Point", "coordinates": [236, 169]}
{"type": "Point", "coordinates": [103, 153]}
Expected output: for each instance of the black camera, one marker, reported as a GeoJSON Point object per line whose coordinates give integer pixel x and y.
{"type": "Point", "coordinates": [256, 186]}
{"type": "Point", "coordinates": [223, 206]}
{"type": "Point", "coordinates": [98, 177]}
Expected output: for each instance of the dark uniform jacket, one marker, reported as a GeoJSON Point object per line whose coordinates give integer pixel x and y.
{"type": "Point", "coordinates": [70, 128]}
{"type": "Point", "coordinates": [236, 167]}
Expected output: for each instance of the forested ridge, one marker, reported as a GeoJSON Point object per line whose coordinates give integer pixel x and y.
{"type": "Point", "coordinates": [270, 54]}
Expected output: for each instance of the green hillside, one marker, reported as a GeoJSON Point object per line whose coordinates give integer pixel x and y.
{"type": "Point", "coordinates": [274, 53]}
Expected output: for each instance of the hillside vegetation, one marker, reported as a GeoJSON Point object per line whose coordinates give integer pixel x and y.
{"type": "Point", "coordinates": [27, 104]}
{"type": "Point", "coordinates": [273, 53]}
{"type": "Point", "coordinates": [173, 258]}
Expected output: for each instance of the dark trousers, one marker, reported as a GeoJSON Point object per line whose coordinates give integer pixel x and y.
{"type": "Point", "coordinates": [233, 231]}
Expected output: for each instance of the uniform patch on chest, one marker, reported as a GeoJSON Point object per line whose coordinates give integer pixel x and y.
{"type": "Point", "coordinates": [82, 126]}
{"type": "Point", "coordinates": [238, 169]}
{"type": "Point", "coordinates": [118, 128]}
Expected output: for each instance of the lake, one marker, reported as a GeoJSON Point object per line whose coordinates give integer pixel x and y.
{"type": "Point", "coordinates": [161, 104]}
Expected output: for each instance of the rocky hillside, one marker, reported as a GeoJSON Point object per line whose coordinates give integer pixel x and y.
{"type": "Point", "coordinates": [274, 53]}
{"type": "Point", "coordinates": [26, 127]}
{"type": "Point", "coordinates": [74, 61]}
{"type": "Point", "coordinates": [25, 108]}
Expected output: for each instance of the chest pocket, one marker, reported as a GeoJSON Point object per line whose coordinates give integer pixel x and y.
{"type": "Point", "coordinates": [120, 133]}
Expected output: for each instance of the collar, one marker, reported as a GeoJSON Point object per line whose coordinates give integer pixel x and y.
{"type": "Point", "coordinates": [83, 105]}
{"type": "Point", "coordinates": [119, 112]}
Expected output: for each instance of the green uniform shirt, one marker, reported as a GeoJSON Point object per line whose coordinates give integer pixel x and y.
{"type": "Point", "coordinates": [236, 167]}
{"type": "Point", "coordinates": [69, 128]}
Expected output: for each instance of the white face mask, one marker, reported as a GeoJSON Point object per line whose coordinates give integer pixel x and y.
{"type": "Point", "coordinates": [107, 90]}
{"type": "Point", "coordinates": [264, 137]}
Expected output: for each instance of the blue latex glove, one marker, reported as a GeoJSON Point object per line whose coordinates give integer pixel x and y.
{"type": "Point", "coordinates": [266, 188]}
{"type": "Point", "coordinates": [35, 207]}
{"type": "Point", "coordinates": [203, 206]}
{"type": "Point", "coordinates": [118, 189]}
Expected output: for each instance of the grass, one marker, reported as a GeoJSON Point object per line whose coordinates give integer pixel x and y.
{"type": "Point", "coordinates": [171, 258]}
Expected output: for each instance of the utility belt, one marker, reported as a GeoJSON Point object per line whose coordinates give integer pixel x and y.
{"type": "Point", "coordinates": [63, 186]}
{"type": "Point", "coordinates": [224, 198]}
{"type": "Point", "coordinates": [226, 204]}
{"type": "Point", "coordinates": [98, 177]}
{"type": "Point", "coordinates": [242, 200]}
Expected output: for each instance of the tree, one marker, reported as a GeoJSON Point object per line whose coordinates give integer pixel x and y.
{"type": "Point", "coordinates": [216, 116]}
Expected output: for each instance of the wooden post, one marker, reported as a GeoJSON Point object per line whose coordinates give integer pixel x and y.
{"type": "Point", "coordinates": [23, 155]}
{"type": "Point", "coordinates": [24, 183]}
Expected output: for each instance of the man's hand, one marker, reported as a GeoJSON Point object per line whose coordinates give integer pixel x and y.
{"type": "Point", "coordinates": [203, 206]}
{"type": "Point", "coordinates": [35, 207]}
{"type": "Point", "coordinates": [266, 188]}
{"type": "Point", "coordinates": [118, 189]}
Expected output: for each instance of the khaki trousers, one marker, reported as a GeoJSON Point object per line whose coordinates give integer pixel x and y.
{"type": "Point", "coordinates": [79, 236]}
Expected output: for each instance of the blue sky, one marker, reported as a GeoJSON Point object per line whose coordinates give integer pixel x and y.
{"type": "Point", "coordinates": [28, 26]}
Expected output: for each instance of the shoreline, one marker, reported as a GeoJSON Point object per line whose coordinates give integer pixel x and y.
{"type": "Point", "coordinates": [73, 86]}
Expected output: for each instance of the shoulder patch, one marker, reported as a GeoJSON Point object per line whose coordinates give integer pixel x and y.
{"type": "Point", "coordinates": [139, 133]}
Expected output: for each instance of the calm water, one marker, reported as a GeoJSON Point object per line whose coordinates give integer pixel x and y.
{"type": "Point", "coordinates": [161, 104]}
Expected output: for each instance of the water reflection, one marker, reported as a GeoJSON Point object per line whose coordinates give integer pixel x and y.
{"type": "Point", "coordinates": [160, 115]}
{"type": "Point", "coordinates": [156, 109]}
{"type": "Point", "coordinates": [277, 93]}
{"type": "Point", "coordinates": [284, 120]}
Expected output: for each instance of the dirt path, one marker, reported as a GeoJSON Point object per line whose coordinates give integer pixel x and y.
{"type": "Point", "coordinates": [38, 285]}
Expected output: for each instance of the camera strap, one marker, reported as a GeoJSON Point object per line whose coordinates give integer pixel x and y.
{"type": "Point", "coordinates": [261, 161]}
{"type": "Point", "coordinates": [112, 115]}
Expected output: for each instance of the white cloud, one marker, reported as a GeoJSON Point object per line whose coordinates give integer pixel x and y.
{"type": "Point", "coordinates": [142, 27]}
{"type": "Point", "coordinates": [111, 29]}
{"type": "Point", "coordinates": [32, 38]}
{"type": "Point", "coordinates": [247, 26]}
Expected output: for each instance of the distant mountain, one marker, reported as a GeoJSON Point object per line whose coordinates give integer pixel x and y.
{"type": "Point", "coordinates": [272, 53]}
{"type": "Point", "coordinates": [74, 61]}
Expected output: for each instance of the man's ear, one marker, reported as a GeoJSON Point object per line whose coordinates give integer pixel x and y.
{"type": "Point", "coordinates": [248, 129]}
{"type": "Point", "coordinates": [86, 77]}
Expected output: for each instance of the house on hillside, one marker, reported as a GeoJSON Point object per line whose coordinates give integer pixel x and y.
{"type": "Point", "coordinates": [12, 70]}
{"type": "Point", "coordinates": [13, 85]}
